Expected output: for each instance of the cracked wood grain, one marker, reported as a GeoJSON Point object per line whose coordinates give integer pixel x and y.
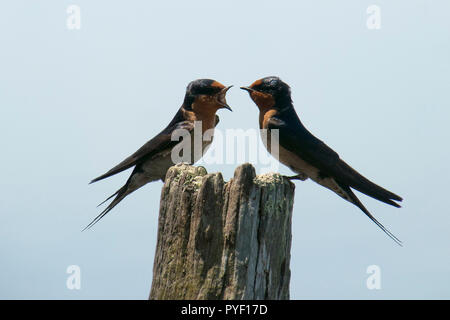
{"type": "Point", "coordinates": [223, 240]}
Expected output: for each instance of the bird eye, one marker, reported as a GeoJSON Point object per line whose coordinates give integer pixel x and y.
{"type": "Point", "coordinates": [207, 90]}
{"type": "Point", "coordinates": [261, 88]}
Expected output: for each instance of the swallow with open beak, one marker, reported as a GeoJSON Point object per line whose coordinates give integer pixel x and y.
{"type": "Point", "coordinates": [202, 99]}
{"type": "Point", "coordinates": [306, 155]}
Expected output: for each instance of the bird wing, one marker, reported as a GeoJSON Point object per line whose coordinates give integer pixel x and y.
{"type": "Point", "coordinates": [300, 141]}
{"type": "Point", "coordinates": [160, 142]}
{"type": "Point", "coordinates": [295, 138]}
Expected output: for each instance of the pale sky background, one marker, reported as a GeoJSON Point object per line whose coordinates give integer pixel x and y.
{"type": "Point", "coordinates": [73, 103]}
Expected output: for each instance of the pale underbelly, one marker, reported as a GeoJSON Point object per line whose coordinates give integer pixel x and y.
{"type": "Point", "coordinates": [158, 165]}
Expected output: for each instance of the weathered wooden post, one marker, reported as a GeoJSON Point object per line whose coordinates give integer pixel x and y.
{"type": "Point", "coordinates": [220, 240]}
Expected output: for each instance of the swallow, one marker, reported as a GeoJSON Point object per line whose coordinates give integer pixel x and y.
{"type": "Point", "coordinates": [202, 99]}
{"type": "Point", "coordinates": [305, 154]}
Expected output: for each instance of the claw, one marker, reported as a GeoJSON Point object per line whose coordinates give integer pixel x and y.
{"type": "Point", "coordinates": [300, 176]}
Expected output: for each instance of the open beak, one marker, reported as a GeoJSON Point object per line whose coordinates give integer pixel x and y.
{"type": "Point", "coordinates": [221, 98]}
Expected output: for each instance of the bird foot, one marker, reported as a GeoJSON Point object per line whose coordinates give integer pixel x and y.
{"type": "Point", "coordinates": [300, 176]}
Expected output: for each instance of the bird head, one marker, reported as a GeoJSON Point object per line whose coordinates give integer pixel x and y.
{"type": "Point", "coordinates": [206, 95]}
{"type": "Point", "coordinates": [269, 92]}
